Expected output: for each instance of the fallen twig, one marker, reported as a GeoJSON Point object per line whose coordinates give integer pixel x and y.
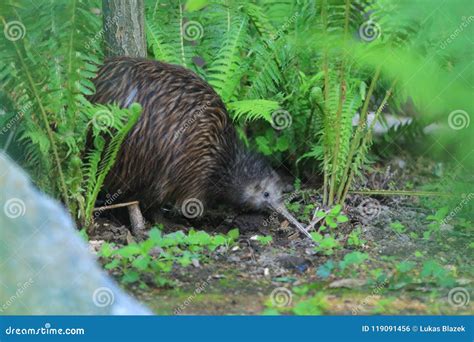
{"type": "Point", "coordinates": [315, 219]}
{"type": "Point", "coordinates": [136, 218]}
{"type": "Point", "coordinates": [114, 206]}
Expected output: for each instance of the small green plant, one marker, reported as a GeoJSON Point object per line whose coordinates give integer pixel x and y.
{"type": "Point", "coordinates": [297, 184]}
{"type": "Point", "coordinates": [436, 222]}
{"type": "Point", "coordinates": [148, 261]}
{"type": "Point", "coordinates": [354, 238]}
{"type": "Point", "coordinates": [325, 244]}
{"type": "Point", "coordinates": [403, 275]}
{"type": "Point", "coordinates": [405, 266]}
{"type": "Point", "coordinates": [302, 211]}
{"type": "Point", "coordinates": [307, 211]}
{"type": "Point", "coordinates": [398, 227]}
{"type": "Point", "coordinates": [324, 271]}
{"type": "Point", "coordinates": [328, 243]}
{"type": "Point", "coordinates": [270, 144]}
{"type": "Point", "coordinates": [353, 259]}
{"type": "Point", "coordinates": [264, 240]}
{"type": "Point", "coordinates": [377, 276]}
{"type": "Point", "coordinates": [315, 305]}
{"type": "Point", "coordinates": [294, 207]}
{"type": "Point", "coordinates": [332, 218]}
{"type": "Point", "coordinates": [433, 271]}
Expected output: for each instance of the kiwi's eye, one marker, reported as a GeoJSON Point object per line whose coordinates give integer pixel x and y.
{"type": "Point", "coordinates": [266, 194]}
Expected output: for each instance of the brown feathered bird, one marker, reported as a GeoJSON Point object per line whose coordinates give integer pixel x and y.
{"type": "Point", "coordinates": [184, 149]}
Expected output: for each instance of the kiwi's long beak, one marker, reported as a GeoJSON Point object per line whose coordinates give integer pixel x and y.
{"type": "Point", "coordinates": [282, 210]}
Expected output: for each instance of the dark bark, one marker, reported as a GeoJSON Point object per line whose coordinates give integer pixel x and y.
{"type": "Point", "coordinates": [124, 28]}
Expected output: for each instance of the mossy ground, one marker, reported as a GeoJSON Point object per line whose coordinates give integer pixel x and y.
{"type": "Point", "coordinates": [401, 269]}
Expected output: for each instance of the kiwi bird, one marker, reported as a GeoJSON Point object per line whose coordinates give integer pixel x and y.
{"type": "Point", "coordinates": [184, 149]}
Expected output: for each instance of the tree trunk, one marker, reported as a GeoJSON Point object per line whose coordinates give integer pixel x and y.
{"type": "Point", "coordinates": [124, 28]}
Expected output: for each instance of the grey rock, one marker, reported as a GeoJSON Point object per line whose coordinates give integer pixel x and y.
{"type": "Point", "coordinates": [45, 266]}
{"type": "Point", "coordinates": [349, 283]}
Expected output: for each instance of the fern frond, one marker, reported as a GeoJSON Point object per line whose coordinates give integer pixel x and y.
{"type": "Point", "coordinates": [226, 71]}
{"type": "Point", "coordinates": [161, 49]}
{"type": "Point", "coordinates": [253, 109]}
{"type": "Point", "coordinates": [98, 172]}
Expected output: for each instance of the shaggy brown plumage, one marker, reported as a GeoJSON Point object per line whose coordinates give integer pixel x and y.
{"type": "Point", "coordinates": [184, 145]}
